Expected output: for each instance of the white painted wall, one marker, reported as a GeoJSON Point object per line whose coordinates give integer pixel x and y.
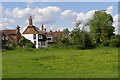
{"type": "Point", "coordinates": [29, 37]}
{"type": "Point", "coordinates": [36, 41]}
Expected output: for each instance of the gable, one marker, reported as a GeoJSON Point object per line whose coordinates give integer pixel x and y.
{"type": "Point", "coordinates": [31, 30]}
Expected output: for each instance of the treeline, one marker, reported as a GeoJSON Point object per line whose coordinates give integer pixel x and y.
{"type": "Point", "coordinates": [101, 33]}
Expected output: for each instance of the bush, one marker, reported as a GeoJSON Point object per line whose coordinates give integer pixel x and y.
{"type": "Point", "coordinates": [82, 40]}
{"type": "Point", "coordinates": [66, 41]}
{"type": "Point", "coordinates": [30, 45]}
{"type": "Point", "coordinates": [106, 43]}
{"type": "Point", "coordinates": [114, 41]}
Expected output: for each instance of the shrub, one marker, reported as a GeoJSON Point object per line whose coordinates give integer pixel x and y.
{"type": "Point", "coordinates": [66, 41]}
{"type": "Point", "coordinates": [30, 45]}
{"type": "Point", "coordinates": [115, 41]}
{"type": "Point", "coordinates": [106, 43]}
{"type": "Point", "coordinates": [82, 40]}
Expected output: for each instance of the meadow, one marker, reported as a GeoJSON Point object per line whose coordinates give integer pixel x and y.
{"type": "Point", "coordinates": [101, 62]}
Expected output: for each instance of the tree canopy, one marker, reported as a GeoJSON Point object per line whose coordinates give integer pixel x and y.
{"type": "Point", "coordinates": [101, 26]}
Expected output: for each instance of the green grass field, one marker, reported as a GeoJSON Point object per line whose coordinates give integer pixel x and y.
{"type": "Point", "coordinates": [101, 62]}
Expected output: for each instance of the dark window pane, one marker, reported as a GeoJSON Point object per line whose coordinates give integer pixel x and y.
{"type": "Point", "coordinates": [34, 36]}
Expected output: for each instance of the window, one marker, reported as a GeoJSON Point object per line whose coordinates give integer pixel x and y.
{"type": "Point", "coordinates": [42, 43]}
{"type": "Point", "coordinates": [35, 42]}
{"type": "Point", "coordinates": [40, 37]}
{"type": "Point", "coordinates": [34, 36]}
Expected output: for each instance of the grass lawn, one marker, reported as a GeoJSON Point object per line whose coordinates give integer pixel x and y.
{"type": "Point", "coordinates": [101, 62]}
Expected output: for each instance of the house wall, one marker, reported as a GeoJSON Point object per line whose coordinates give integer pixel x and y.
{"type": "Point", "coordinates": [36, 41]}
{"type": "Point", "coordinates": [29, 37]}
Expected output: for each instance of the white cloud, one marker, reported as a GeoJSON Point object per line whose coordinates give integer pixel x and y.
{"type": "Point", "coordinates": [69, 15]}
{"type": "Point", "coordinates": [9, 21]}
{"type": "Point", "coordinates": [116, 23]}
{"type": "Point", "coordinates": [109, 10]}
{"type": "Point", "coordinates": [40, 15]}
{"type": "Point", "coordinates": [6, 23]}
{"type": "Point", "coordinates": [21, 13]}
{"type": "Point", "coordinates": [47, 15]}
{"type": "Point", "coordinates": [1, 9]}
{"type": "Point", "coordinates": [85, 17]}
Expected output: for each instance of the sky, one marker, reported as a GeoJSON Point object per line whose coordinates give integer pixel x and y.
{"type": "Point", "coordinates": [54, 15]}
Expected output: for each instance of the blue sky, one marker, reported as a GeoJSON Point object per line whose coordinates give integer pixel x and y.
{"type": "Point", "coordinates": [54, 15]}
{"type": "Point", "coordinates": [76, 6]}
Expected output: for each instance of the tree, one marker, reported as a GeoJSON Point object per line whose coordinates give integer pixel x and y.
{"type": "Point", "coordinates": [101, 26]}
{"type": "Point", "coordinates": [66, 32]}
{"type": "Point", "coordinates": [81, 39]}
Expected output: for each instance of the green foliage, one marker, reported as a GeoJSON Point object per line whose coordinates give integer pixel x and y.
{"type": "Point", "coordinates": [105, 43]}
{"type": "Point", "coordinates": [62, 40]}
{"type": "Point", "coordinates": [29, 45]}
{"type": "Point", "coordinates": [10, 46]}
{"type": "Point", "coordinates": [66, 32]}
{"type": "Point", "coordinates": [66, 41]}
{"type": "Point", "coordinates": [57, 40]}
{"type": "Point", "coordinates": [101, 26]}
{"type": "Point", "coordinates": [114, 41]}
{"type": "Point", "coordinates": [26, 43]}
{"type": "Point", "coordinates": [81, 39]}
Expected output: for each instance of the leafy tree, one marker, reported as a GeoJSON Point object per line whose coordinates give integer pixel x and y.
{"type": "Point", "coordinates": [66, 32]}
{"type": "Point", "coordinates": [81, 39]}
{"type": "Point", "coordinates": [101, 26]}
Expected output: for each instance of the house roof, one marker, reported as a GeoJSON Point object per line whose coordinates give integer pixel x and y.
{"type": "Point", "coordinates": [11, 33]}
{"type": "Point", "coordinates": [55, 34]}
{"type": "Point", "coordinates": [31, 30]}
{"type": "Point", "coordinates": [7, 35]}
{"type": "Point", "coordinates": [8, 32]}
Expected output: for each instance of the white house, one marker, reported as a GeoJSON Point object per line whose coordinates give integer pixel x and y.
{"type": "Point", "coordinates": [40, 37]}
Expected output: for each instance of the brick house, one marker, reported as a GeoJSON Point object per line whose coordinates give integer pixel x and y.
{"type": "Point", "coordinates": [10, 35]}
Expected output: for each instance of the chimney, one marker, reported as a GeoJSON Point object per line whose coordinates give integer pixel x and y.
{"type": "Point", "coordinates": [17, 29]}
{"type": "Point", "coordinates": [42, 27]}
{"type": "Point", "coordinates": [18, 35]}
{"type": "Point", "coordinates": [30, 20]}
